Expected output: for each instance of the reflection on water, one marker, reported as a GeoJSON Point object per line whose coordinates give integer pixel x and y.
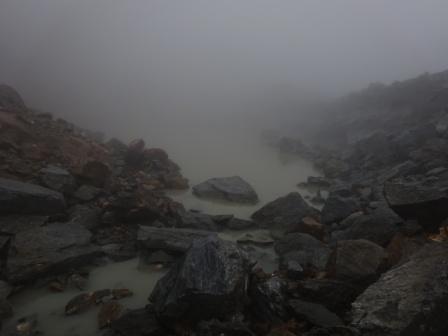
{"type": "Point", "coordinates": [49, 306]}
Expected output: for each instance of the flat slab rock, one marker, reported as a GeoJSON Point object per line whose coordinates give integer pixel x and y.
{"type": "Point", "coordinates": [51, 248]}
{"type": "Point", "coordinates": [168, 239]}
{"type": "Point", "coordinates": [25, 198]}
{"type": "Point", "coordinates": [232, 189]}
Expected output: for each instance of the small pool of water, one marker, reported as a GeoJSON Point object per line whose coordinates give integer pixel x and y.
{"type": "Point", "coordinates": [49, 306]}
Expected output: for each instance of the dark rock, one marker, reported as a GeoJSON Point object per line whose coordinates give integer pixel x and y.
{"type": "Point", "coordinates": [109, 312]}
{"type": "Point", "coordinates": [416, 200]}
{"type": "Point", "coordinates": [96, 173]}
{"type": "Point", "coordinates": [239, 224]}
{"type": "Point", "coordinates": [134, 155]}
{"type": "Point", "coordinates": [284, 213]}
{"type": "Point", "coordinates": [57, 179]}
{"type": "Point", "coordinates": [294, 270]}
{"type": "Point", "coordinates": [215, 327]}
{"type": "Point", "coordinates": [24, 198]}
{"type": "Point", "coordinates": [167, 239]}
{"type": "Point", "coordinates": [334, 294]}
{"type": "Point", "coordinates": [232, 189]}
{"type": "Point", "coordinates": [315, 314]}
{"type": "Point", "coordinates": [268, 300]}
{"type": "Point", "coordinates": [209, 282]}
{"type": "Point", "coordinates": [24, 326]}
{"type": "Point", "coordinates": [333, 331]}
{"type": "Point", "coordinates": [87, 193]}
{"type": "Point", "coordinates": [304, 249]}
{"type": "Point", "coordinates": [337, 208]}
{"type": "Point", "coordinates": [87, 216]}
{"type": "Point", "coordinates": [139, 322]}
{"type": "Point", "coordinates": [84, 301]}
{"type": "Point", "coordinates": [197, 221]}
{"type": "Point", "coordinates": [356, 260]}
{"type": "Point", "coordinates": [10, 99]}
{"type": "Point", "coordinates": [408, 300]}
{"type": "Point", "coordinates": [5, 307]}
{"type": "Point", "coordinates": [312, 227]}
{"type": "Point", "coordinates": [378, 226]}
{"type": "Point", "coordinates": [256, 237]}
{"type": "Point", "coordinates": [54, 248]}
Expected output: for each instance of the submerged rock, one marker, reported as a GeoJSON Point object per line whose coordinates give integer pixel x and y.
{"type": "Point", "coordinates": [209, 282]}
{"type": "Point", "coordinates": [233, 189]}
{"type": "Point", "coordinates": [284, 213]}
{"type": "Point", "coordinates": [409, 300]}
{"type": "Point", "coordinates": [25, 198]}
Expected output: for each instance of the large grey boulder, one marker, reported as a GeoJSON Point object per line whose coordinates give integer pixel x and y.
{"type": "Point", "coordinates": [232, 189]}
{"type": "Point", "coordinates": [409, 300]}
{"type": "Point", "coordinates": [209, 282]}
{"type": "Point", "coordinates": [25, 198]}
{"type": "Point", "coordinates": [284, 213]}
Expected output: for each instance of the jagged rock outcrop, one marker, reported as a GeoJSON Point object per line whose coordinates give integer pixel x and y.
{"type": "Point", "coordinates": [209, 282]}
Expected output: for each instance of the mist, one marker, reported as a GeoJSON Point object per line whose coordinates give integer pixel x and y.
{"type": "Point", "coordinates": [136, 68]}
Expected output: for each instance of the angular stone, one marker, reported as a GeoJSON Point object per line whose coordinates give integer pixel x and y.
{"type": "Point", "coordinates": [284, 213]}
{"type": "Point", "coordinates": [407, 300]}
{"type": "Point", "coordinates": [232, 189]}
{"type": "Point", "coordinates": [25, 198]}
{"type": "Point", "coordinates": [210, 282]}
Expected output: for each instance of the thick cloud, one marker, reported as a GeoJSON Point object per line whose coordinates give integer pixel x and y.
{"type": "Point", "coordinates": [109, 63]}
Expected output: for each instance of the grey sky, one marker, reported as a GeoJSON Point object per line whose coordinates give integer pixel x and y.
{"type": "Point", "coordinates": [120, 56]}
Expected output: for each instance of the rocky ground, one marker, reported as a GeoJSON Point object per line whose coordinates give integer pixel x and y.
{"type": "Point", "coordinates": [373, 261]}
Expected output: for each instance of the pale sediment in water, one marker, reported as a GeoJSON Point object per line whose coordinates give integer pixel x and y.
{"type": "Point", "coordinates": [272, 175]}
{"type": "Point", "coordinates": [49, 306]}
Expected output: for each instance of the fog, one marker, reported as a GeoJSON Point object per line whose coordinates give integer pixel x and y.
{"type": "Point", "coordinates": [175, 69]}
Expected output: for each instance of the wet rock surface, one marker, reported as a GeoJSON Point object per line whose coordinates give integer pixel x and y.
{"type": "Point", "coordinates": [407, 300]}
{"type": "Point", "coordinates": [25, 198]}
{"type": "Point", "coordinates": [231, 189]}
{"type": "Point", "coordinates": [284, 213]}
{"type": "Point", "coordinates": [209, 282]}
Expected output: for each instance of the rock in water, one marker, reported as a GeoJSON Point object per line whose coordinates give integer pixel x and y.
{"type": "Point", "coordinates": [209, 282]}
{"type": "Point", "coordinates": [232, 189]}
{"type": "Point", "coordinates": [409, 300]}
{"type": "Point", "coordinates": [284, 213]}
{"type": "Point", "coordinates": [26, 198]}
